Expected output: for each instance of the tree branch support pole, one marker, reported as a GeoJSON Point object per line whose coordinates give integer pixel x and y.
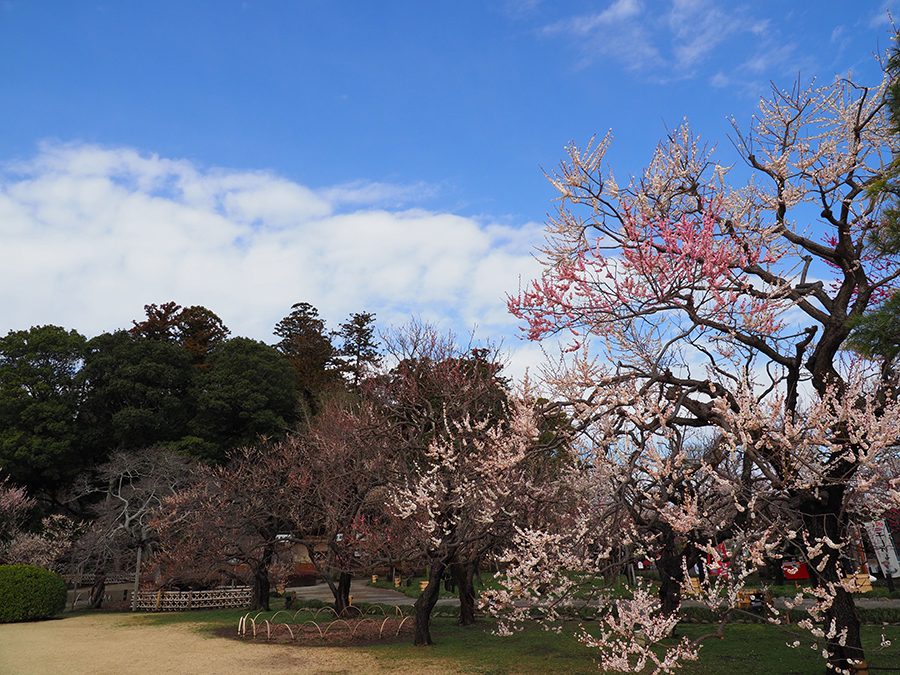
{"type": "Point", "coordinates": [137, 579]}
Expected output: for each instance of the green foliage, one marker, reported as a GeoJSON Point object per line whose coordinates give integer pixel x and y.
{"type": "Point", "coordinates": [887, 237]}
{"type": "Point", "coordinates": [39, 400]}
{"type": "Point", "coordinates": [28, 593]}
{"type": "Point", "coordinates": [875, 616]}
{"type": "Point", "coordinates": [246, 391]}
{"type": "Point", "coordinates": [877, 333]}
{"type": "Point", "coordinates": [138, 391]}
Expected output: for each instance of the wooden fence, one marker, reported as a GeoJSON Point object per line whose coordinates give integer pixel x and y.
{"type": "Point", "coordinates": [180, 601]}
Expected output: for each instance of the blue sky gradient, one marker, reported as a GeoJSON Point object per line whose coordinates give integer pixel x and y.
{"type": "Point", "coordinates": [356, 155]}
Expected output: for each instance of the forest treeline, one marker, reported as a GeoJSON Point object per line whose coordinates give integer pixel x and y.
{"type": "Point", "coordinates": [177, 379]}
{"type": "Point", "coordinates": [185, 457]}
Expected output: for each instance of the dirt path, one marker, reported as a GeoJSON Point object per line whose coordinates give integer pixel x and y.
{"type": "Point", "coordinates": [113, 644]}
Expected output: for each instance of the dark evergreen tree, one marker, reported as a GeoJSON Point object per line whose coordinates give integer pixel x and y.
{"type": "Point", "coordinates": [306, 345]}
{"type": "Point", "coordinates": [247, 391]}
{"type": "Point", "coordinates": [137, 392]}
{"type": "Point", "coordinates": [876, 334]}
{"type": "Point", "coordinates": [358, 352]}
{"type": "Point", "coordinates": [40, 444]}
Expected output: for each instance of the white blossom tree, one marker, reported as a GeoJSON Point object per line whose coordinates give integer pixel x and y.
{"type": "Point", "coordinates": [475, 484]}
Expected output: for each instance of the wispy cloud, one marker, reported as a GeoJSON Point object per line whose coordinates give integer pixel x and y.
{"type": "Point", "coordinates": [697, 27]}
{"type": "Point", "coordinates": [664, 40]}
{"type": "Point", "coordinates": [381, 194]}
{"type": "Point", "coordinates": [669, 41]}
{"type": "Point", "coordinates": [882, 17]}
{"type": "Point", "coordinates": [618, 31]}
{"type": "Point", "coordinates": [92, 234]}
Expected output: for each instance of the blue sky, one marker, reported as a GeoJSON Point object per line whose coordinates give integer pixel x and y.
{"type": "Point", "coordinates": [360, 156]}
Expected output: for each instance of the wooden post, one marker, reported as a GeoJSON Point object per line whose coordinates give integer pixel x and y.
{"type": "Point", "coordinates": [137, 579]}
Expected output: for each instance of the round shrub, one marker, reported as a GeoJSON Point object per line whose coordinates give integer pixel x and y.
{"type": "Point", "coordinates": [28, 593]}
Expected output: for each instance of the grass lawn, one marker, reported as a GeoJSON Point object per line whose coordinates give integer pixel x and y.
{"type": "Point", "coordinates": [748, 649]}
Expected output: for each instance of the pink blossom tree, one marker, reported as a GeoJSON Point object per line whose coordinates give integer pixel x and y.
{"type": "Point", "coordinates": [344, 467]}
{"type": "Point", "coordinates": [48, 547]}
{"type": "Point", "coordinates": [699, 304]}
{"type": "Point", "coordinates": [15, 505]}
{"type": "Point", "coordinates": [226, 522]}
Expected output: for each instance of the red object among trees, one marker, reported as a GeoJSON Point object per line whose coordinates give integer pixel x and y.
{"type": "Point", "coordinates": [795, 571]}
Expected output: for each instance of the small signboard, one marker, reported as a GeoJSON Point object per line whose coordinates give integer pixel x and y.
{"type": "Point", "coordinates": [885, 551]}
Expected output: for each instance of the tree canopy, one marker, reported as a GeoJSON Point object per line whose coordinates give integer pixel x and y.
{"type": "Point", "coordinates": [40, 400]}
{"type": "Point", "coordinates": [726, 308]}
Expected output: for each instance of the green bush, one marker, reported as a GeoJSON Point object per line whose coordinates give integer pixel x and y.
{"type": "Point", "coordinates": [28, 593]}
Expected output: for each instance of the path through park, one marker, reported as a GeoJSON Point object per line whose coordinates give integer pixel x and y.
{"type": "Point", "coordinates": [117, 644]}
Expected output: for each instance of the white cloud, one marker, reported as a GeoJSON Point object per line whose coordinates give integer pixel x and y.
{"type": "Point", "coordinates": [92, 234]}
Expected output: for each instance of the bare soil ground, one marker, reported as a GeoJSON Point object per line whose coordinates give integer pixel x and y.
{"type": "Point", "coordinates": [116, 644]}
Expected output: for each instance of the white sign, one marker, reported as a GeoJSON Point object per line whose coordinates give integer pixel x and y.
{"type": "Point", "coordinates": [883, 543]}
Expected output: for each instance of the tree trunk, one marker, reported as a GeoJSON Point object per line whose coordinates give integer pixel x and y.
{"type": "Point", "coordinates": [822, 520]}
{"type": "Point", "coordinates": [843, 613]}
{"type": "Point", "coordinates": [259, 601]}
{"type": "Point", "coordinates": [671, 574]}
{"type": "Point", "coordinates": [97, 591]}
{"type": "Point", "coordinates": [464, 575]}
{"type": "Point", "coordinates": [137, 579]}
{"type": "Point", "coordinates": [342, 593]}
{"type": "Point", "coordinates": [777, 572]}
{"type": "Point", "coordinates": [426, 603]}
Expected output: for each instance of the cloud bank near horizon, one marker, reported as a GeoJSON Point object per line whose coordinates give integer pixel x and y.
{"type": "Point", "coordinates": [92, 234]}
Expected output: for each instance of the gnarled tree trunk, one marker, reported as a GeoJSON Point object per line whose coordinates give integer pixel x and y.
{"type": "Point", "coordinates": [464, 575]}
{"type": "Point", "coordinates": [671, 573]}
{"type": "Point", "coordinates": [98, 590]}
{"type": "Point", "coordinates": [259, 600]}
{"type": "Point", "coordinates": [342, 593]}
{"type": "Point", "coordinates": [822, 520]}
{"type": "Point", "coordinates": [426, 603]}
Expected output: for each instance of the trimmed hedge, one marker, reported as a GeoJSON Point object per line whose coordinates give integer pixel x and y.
{"type": "Point", "coordinates": [28, 593]}
{"type": "Point", "coordinates": [867, 615]}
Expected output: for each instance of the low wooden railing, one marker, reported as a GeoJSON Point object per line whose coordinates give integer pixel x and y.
{"type": "Point", "coordinates": [180, 601]}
